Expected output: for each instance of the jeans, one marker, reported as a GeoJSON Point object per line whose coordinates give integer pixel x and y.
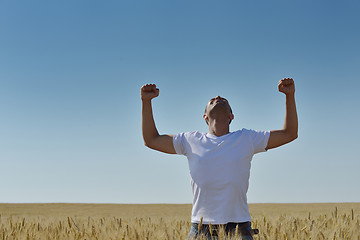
{"type": "Point", "coordinates": [244, 231]}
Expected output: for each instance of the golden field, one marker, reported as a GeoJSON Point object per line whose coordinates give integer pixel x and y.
{"type": "Point", "coordinates": [171, 221]}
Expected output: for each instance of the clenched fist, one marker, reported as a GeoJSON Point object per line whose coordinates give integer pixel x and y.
{"type": "Point", "coordinates": [149, 91]}
{"type": "Point", "coordinates": [287, 86]}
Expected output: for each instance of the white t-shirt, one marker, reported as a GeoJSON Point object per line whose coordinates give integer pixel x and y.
{"type": "Point", "coordinates": [220, 170]}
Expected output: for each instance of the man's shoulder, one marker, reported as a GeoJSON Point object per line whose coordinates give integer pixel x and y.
{"type": "Point", "coordinates": [190, 135]}
{"type": "Point", "coordinates": [241, 131]}
{"type": "Point", "coordinates": [246, 132]}
{"type": "Point", "coordinates": [252, 134]}
{"type": "Point", "coordinates": [194, 134]}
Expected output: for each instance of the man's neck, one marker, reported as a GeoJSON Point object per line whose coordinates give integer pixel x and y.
{"type": "Point", "coordinates": [218, 128]}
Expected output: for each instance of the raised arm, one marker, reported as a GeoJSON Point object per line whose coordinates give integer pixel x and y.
{"type": "Point", "coordinates": [152, 138]}
{"type": "Point", "coordinates": [290, 129]}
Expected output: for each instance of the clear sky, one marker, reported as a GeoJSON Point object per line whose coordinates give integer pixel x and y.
{"type": "Point", "coordinates": [70, 78]}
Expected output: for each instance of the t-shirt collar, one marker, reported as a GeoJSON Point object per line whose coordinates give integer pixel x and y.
{"type": "Point", "coordinates": [216, 137]}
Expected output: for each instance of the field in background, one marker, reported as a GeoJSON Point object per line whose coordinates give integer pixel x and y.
{"type": "Point", "coordinates": [171, 221]}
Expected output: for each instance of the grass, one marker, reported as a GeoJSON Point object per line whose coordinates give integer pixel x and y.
{"type": "Point", "coordinates": [171, 221]}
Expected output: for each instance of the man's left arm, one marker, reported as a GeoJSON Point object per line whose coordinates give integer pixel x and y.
{"type": "Point", "coordinates": [290, 129]}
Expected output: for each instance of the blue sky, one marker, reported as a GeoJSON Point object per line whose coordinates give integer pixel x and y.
{"type": "Point", "coordinates": [70, 78]}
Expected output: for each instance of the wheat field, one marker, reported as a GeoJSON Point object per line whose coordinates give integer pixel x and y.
{"type": "Point", "coordinates": [171, 221]}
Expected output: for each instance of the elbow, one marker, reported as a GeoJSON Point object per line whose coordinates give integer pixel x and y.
{"type": "Point", "coordinates": [294, 136]}
{"type": "Point", "coordinates": [150, 141]}
{"type": "Point", "coordinates": [291, 136]}
{"type": "Point", "coordinates": [149, 144]}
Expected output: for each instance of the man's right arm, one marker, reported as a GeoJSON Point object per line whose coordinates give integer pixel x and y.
{"type": "Point", "coordinates": [152, 138]}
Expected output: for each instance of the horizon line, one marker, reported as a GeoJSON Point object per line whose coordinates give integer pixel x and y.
{"type": "Point", "coordinates": [167, 203]}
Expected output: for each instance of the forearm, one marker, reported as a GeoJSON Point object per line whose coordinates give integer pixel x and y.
{"type": "Point", "coordinates": [148, 126]}
{"type": "Point", "coordinates": [290, 129]}
{"type": "Point", "coordinates": [291, 120]}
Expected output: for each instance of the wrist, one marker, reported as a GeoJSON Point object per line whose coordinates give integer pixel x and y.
{"type": "Point", "coordinates": [146, 101]}
{"type": "Point", "coordinates": [290, 95]}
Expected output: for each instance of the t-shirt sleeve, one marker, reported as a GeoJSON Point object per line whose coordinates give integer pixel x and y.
{"type": "Point", "coordinates": [260, 140]}
{"type": "Point", "coordinates": [179, 143]}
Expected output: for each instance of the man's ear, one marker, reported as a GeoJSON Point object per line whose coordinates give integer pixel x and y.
{"type": "Point", "coordinates": [206, 118]}
{"type": "Point", "coordinates": [231, 117]}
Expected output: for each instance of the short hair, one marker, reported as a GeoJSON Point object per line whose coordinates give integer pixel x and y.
{"type": "Point", "coordinates": [229, 107]}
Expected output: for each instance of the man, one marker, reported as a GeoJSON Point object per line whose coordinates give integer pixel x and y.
{"type": "Point", "coordinates": [220, 160]}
